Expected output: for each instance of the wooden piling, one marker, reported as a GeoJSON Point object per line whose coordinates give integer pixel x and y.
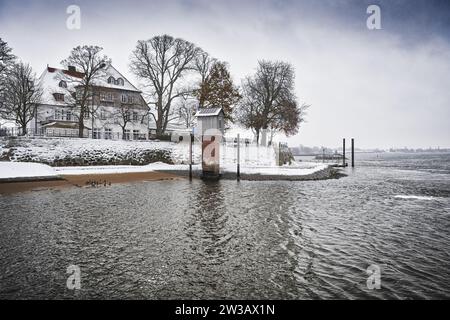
{"type": "Point", "coordinates": [238, 169]}
{"type": "Point", "coordinates": [343, 152]}
{"type": "Point", "coordinates": [190, 155]}
{"type": "Point", "coordinates": [353, 153]}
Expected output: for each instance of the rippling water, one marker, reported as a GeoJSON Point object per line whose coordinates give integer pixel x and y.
{"type": "Point", "coordinates": [246, 240]}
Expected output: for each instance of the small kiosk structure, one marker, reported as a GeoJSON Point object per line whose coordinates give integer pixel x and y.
{"type": "Point", "coordinates": [210, 122]}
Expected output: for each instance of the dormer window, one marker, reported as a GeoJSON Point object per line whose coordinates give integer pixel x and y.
{"type": "Point", "coordinates": [58, 96]}
{"type": "Point", "coordinates": [111, 80]}
{"type": "Point", "coordinates": [120, 82]}
{"type": "Point", "coordinates": [62, 84]}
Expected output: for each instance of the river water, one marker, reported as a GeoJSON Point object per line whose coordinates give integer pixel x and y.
{"type": "Point", "coordinates": [237, 240]}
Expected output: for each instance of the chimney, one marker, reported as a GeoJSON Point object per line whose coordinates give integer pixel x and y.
{"type": "Point", "coordinates": [72, 69]}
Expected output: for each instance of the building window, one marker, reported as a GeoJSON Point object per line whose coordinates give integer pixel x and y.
{"type": "Point", "coordinates": [69, 116]}
{"type": "Point", "coordinates": [106, 96]}
{"type": "Point", "coordinates": [120, 82]}
{"type": "Point", "coordinates": [135, 116]}
{"type": "Point", "coordinates": [58, 96]}
{"type": "Point", "coordinates": [57, 115]}
{"type": "Point", "coordinates": [111, 80]}
{"type": "Point", "coordinates": [96, 133]}
{"type": "Point", "coordinates": [127, 135]}
{"type": "Point", "coordinates": [102, 115]}
{"type": "Point", "coordinates": [135, 134]}
{"type": "Point", "coordinates": [108, 134]}
{"type": "Point", "coordinates": [124, 98]}
{"type": "Point", "coordinates": [62, 84]}
{"type": "Point", "coordinates": [86, 115]}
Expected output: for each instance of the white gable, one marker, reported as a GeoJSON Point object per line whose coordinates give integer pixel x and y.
{"type": "Point", "coordinates": [110, 71]}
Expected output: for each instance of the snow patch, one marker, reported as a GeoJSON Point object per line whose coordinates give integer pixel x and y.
{"type": "Point", "coordinates": [10, 170]}
{"type": "Point", "coordinates": [411, 197]}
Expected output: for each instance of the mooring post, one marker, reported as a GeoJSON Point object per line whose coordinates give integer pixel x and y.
{"type": "Point", "coordinates": [353, 153]}
{"type": "Point", "coordinates": [343, 152]}
{"type": "Point", "coordinates": [190, 155]}
{"type": "Point", "coordinates": [238, 172]}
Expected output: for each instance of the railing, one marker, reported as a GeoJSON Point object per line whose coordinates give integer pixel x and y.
{"type": "Point", "coordinates": [9, 132]}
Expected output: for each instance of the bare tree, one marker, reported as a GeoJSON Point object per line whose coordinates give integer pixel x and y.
{"type": "Point", "coordinates": [88, 61]}
{"type": "Point", "coordinates": [203, 64]}
{"type": "Point", "coordinates": [20, 96]}
{"type": "Point", "coordinates": [269, 100]}
{"type": "Point", "coordinates": [289, 121]}
{"type": "Point", "coordinates": [162, 62]}
{"type": "Point", "coordinates": [186, 111]}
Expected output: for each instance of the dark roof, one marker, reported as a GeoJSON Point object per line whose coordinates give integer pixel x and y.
{"type": "Point", "coordinates": [208, 112]}
{"type": "Point", "coordinates": [71, 73]}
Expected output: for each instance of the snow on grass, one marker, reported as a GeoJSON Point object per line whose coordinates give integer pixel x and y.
{"type": "Point", "coordinates": [59, 151]}
{"type": "Point", "coordinates": [10, 170]}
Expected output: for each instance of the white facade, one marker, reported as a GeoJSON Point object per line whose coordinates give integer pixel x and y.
{"type": "Point", "coordinates": [116, 111]}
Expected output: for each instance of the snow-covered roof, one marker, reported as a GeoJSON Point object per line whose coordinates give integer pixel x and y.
{"type": "Point", "coordinates": [49, 81]}
{"type": "Point", "coordinates": [51, 78]}
{"type": "Point", "coordinates": [110, 72]}
{"type": "Point", "coordinates": [208, 112]}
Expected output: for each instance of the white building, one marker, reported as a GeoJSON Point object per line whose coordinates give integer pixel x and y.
{"type": "Point", "coordinates": [116, 107]}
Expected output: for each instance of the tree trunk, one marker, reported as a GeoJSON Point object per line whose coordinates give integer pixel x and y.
{"type": "Point", "coordinates": [23, 130]}
{"type": "Point", "coordinates": [81, 125]}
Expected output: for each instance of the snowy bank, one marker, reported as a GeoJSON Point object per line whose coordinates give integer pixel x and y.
{"type": "Point", "coordinates": [88, 152]}
{"type": "Point", "coordinates": [61, 152]}
{"type": "Point", "coordinates": [14, 170]}
{"type": "Point", "coordinates": [69, 171]}
{"type": "Point", "coordinates": [36, 171]}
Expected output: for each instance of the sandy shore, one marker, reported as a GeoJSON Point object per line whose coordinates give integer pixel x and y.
{"type": "Point", "coordinates": [82, 181]}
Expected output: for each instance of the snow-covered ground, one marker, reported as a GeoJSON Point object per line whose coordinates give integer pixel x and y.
{"type": "Point", "coordinates": [10, 170]}
{"type": "Point", "coordinates": [298, 169]}
{"type": "Point", "coordinates": [293, 170]}
{"type": "Point", "coordinates": [118, 169]}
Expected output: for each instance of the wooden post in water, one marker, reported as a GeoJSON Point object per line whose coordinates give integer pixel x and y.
{"type": "Point", "coordinates": [343, 152]}
{"type": "Point", "coordinates": [190, 155]}
{"type": "Point", "coordinates": [353, 153]}
{"type": "Point", "coordinates": [238, 172]}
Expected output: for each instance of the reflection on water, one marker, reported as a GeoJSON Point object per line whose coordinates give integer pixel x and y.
{"type": "Point", "coordinates": [253, 239]}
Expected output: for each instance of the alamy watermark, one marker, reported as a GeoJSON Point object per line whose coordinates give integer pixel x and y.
{"type": "Point", "coordinates": [73, 21]}
{"type": "Point", "coordinates": [374, 20]}
{"type": "Point", "coordinates": [374, 279]}
{"type": "Point", "coordinates": [74, 279]}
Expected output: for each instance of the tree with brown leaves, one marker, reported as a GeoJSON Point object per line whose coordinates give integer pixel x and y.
{"type": "Point", "coordinates": [218, 90]}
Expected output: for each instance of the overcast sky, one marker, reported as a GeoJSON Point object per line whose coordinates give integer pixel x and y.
{"type": "Point", "coordinates": [388, 87]}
